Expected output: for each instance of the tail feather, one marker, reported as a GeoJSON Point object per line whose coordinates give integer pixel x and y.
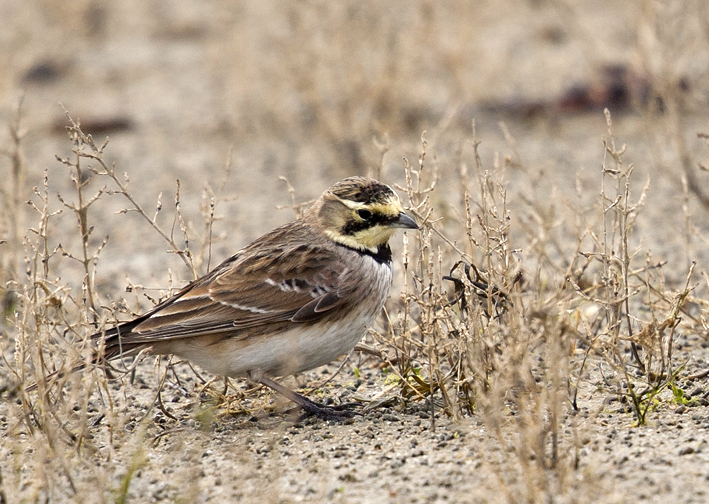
{"type": "Point", "coordinates": [106, 346]}
{"type": "Point", "coordinates": [115, 342]}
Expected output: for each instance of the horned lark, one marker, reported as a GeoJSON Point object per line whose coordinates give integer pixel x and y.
{"type": "Point", "coordinates": [295, 299]}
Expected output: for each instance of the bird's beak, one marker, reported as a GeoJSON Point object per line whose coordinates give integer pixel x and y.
{"type": "Point", "coordinates": [404, 221]}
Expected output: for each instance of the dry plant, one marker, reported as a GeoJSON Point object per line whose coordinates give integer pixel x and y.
{"type": "Point", "coordinates": [474, 338]}
{"type": "Point", "coordinates": [506, 326]}
{"type": "Point", "coordinates": [494, 322]}
{"type": "Point", "coordinates": [46, 330]}
{"type": "Point", "coordinates": [638, 319]}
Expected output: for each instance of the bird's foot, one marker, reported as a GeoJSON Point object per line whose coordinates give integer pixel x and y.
{"type": "Point", "coordinates": [337, 413]}
{"type": "Point", "coordinates": [310, 408]}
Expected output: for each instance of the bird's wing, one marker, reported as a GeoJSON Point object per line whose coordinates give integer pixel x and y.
{"type": "Point", "coordinates": [278, 284]}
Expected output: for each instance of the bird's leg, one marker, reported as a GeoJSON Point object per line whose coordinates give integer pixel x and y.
{"type": "Point", "coordinates": [336, 413]}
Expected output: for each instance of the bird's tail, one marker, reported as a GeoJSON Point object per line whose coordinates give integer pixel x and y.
{"type": "Point", "coordinates": [105, 347]}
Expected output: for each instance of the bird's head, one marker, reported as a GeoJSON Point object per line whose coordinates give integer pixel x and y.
{"type": "Point", "coordinates": [361, 213]}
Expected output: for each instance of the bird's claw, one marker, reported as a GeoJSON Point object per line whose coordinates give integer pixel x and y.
{"type": "Point", "coordinates": [335, 413]}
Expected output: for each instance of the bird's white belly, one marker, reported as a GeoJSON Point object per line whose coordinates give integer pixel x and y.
{"type": "Point", "coordinates": [294, 351]}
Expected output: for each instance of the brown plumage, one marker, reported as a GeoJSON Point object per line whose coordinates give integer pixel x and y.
{"type": "Point", "coordinates": [294, 299]}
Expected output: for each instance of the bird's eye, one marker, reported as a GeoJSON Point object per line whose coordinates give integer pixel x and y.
{"type": "Point", "coordinates": [364, 214]}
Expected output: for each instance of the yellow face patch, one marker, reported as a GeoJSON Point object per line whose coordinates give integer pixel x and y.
{"type": "Point", "coordinates": [366, 226]}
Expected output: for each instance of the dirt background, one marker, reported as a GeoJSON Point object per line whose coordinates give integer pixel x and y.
{"type": "Point", "coordinates": [310, 91]}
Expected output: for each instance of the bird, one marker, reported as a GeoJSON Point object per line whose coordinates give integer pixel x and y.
{"type": "Point", "coordinates": [295, 299]}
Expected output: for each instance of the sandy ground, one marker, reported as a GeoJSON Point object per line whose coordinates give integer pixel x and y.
{"type": "Point", "coordinates": [308, 91]}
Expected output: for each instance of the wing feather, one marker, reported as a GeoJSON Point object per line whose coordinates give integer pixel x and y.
{"type": "Point", "coordinates": [270, 282]}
